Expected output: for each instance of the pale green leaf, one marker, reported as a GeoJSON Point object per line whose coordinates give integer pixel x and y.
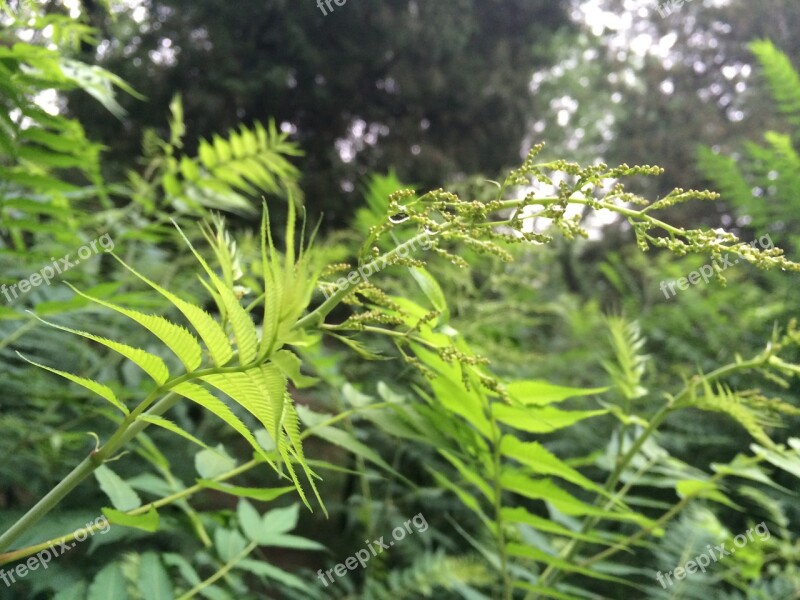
{"type": "Point", "coordinates": [470, 475]}
{"type": "Point", "coordinates": [122, 495]}
{"type": "Point", "coordinates": [248, 389]}
{"type": "Point", "coordinates": [694, 488]}
{"type": "Point", "coordinates": [149, 363]}
{"type": "Point", "coordinates": [154, 581]}
{"type": "Point", "coordinates": [261, 494]}
{"type": "Point", "coordinates": [346, 440]}
{"type": "Point", "coordinates": [93, 386]}
{"type": "Point", "coordinates": [209, 330]}
{"type": "Point", "coordinates": [182, 343]}
{"type": "Point", "coordinates": [432, 290]}
{"type": "Point", "coordinates": [290, 364]}
{"type": "Point", "coordinates": [542, 393]}
{"type": "Point", "coordinates": [467, 499]}
{"type": "Point", "coordinates": [249, 519]}
{"type": "Point", "coordinates": [213, 462]}
{"type": "Point", "coordinates": [269, 571]}
{"type": "Point", "coordinates": [545, 489]}
{"type": "Point", "coordinates": [781, 458]}
{"type": "Point", "coordinates": [207, 400]}
{"type": "Point", "coordinates": [543, 462]}
{"type": "Point", "coordinates": [243, 328]}
{"type": "Point", "coordinates": [170, 426]}
{"type": "Point", "coordinates": [147, 521]}
{"type": "Point", "coordinates": [228, 543]}
{"type": "Point", "coordinates": [541, 420]}
{"type": "Point", "coordinates": [537, 555]}
{"type": "Point", "coordinates": [109, 583]}
{"type": "Point", "coordinates": [520, 515]}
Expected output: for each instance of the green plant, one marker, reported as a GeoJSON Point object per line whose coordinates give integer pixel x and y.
{"type": "Point", "coordinates": [252, 367]}
{"type": "Point", "coordinates": [762, 180]}
{"type": "Point", "coordinates": [555, 484]}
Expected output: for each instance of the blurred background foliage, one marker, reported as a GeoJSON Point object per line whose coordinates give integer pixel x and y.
{"type": "Point", "coordinates": [120, 115]}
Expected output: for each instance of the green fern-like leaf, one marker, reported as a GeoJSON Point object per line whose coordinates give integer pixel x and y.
{"type": "Point", "coordinates": [243, 327]}
{"type": "Point", "coordinates": [250, 161]}
{"type": "Point", "coordinates": [214, 405]}
{"type": "Point", "coordinates": [207, 328]}
{"type": "Point", "coordinates": [93, 386]}
{"type": "Point", "coordinates": [249, 391]}
{"type": "Point", "coordinates": [724, 400]}
{"type": "Point", "coordinates": [429, 574]}
{"type": "Point", "coordinates": [149, 363]}
{"type": "Point", "coordinates": [628, 369]}
{"type": "Point", "coordinates": [783, 78]}
{"type": "Point", "coordinates": [182, 343]}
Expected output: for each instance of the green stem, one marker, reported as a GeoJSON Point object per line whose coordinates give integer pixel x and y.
{"type": "Point", "coordinates": [572, 548]}
{"type": "Point", "coordinates": [18, 333]}
{"type": "Point", "coordinates": [220, 573]}
{"type": "Point", "coordinates": [574, 545]}
{"type": "Point", "coordinates": [497, 438]}
{"type": "Point", "coordinates": [90, 530]}
{"type": "Point", "coordinates": [24, 552]}
{"type": "Point", "coordinates": [86, 467]}
{"type": "Point", "coordinates": [317, 316]}
{"type": "Point", "coordinates": [633, 538]}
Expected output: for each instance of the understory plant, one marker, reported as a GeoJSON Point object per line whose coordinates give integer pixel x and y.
{"type": "Point", "coordinates": [549, 523]}
{"type": "Point", "coordinates": [207, 402]}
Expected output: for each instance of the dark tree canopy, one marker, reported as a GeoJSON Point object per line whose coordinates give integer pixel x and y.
{"type": "Point", "coordinates": [434, 88]}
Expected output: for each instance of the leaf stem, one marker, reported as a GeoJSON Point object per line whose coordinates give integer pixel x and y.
{"type": "Point", "coordinates": [679, 401]}
{"type": "Point", "coordinates": [220, 573]}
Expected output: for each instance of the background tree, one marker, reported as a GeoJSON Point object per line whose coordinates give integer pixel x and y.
{"type": "Point", "coordinates": [435, 89]}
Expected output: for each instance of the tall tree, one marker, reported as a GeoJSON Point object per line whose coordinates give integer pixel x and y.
{"type": "Point", "coordinates": [433, 88]}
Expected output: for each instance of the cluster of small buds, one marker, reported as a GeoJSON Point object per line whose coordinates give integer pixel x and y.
{"type": "Point", "coordinates": [371, 317]}
{"type": "Point", "coordinates": [593, 172]}
{"type": "Point", "coordinates": [408, 261]}
{"type": "Point", "coordinates": [450, 353]}
{"type": "Point", "coordinates": [453, 258]}
{"type": "Point", "coordinates": [336, 268]}
{"type": "Point", "coordinates": [640, 231]}
{"type": "Point", "coordinates": [441, 198]}
{"type": "Point", "coordinates": [377, 296]}
{"type": "Point", "coordinates": [494, 385]}
{"type": "Point", "coordinates": [679, 195]}
{"type": "Point", "coordinates": [570, 168]}
{"type": "Point", "coordinates": [625, 170]}
{"type": "Point", "coordinates": [488, 247]}
{"type": "Point", "coordinates": [522, 175]}
{"type": "Point", "coordinates": [427, 373]}
{"type": "Point", "coordinates": [677, 246]}
{"type": "Point", "coordinates": [399, 197]}
{"type": "Point", "coordinates": [628, 198]}
{"type": "Point", "coordinates": [425, 319]}
{"type": "Point", "coordinates": [487, 227]}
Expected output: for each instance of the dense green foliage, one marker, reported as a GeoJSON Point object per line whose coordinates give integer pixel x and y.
{"type": "Point", "coordinates": [202, 395]}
